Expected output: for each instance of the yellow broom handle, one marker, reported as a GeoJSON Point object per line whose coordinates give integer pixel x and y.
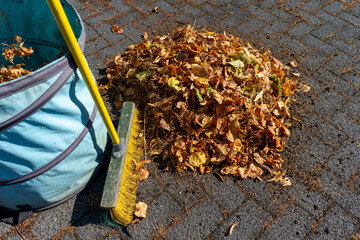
{"type": "Point", "coordinates": [79, 58]}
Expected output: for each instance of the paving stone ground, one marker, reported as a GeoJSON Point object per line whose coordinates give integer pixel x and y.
{"type": "Point", "coordinates": [322, 157]}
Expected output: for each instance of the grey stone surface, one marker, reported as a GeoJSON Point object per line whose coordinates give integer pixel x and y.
{"type": "Point", "coordinates": [300, 29]}
{"type": "Point", "coordinates": [142, 6]}
{"type": "Point", "coordinates": [227, 194]}
{"type": "Point", "coordinates": [166, 7]}
{"type": "Point", "coordinates": [344, 46]}
{"type": "Point", "coordinates": [340, 63]}
{"type": "Point", "coordinates": [275, 27]}
{"type": "Point", "coordinates": [326, 30]}
{"type": "Point", "coordinates": [283, 14]}
{"type": "Point", "coordinates": [293, 45]}
{"type": "Point", "coordinates": [345, 160]}
{"type": "Point", "coordinates": [250, 219]}
{"type": "Point", "coordinates": [310, 18]}
{"type": "Point", "coordinates": [314, 202]}
{"type": "Point", "coordinates": [250, 26]}
{"type": "Point", "coordinates": [237, 12]}
{"type": "Point", "coordinates": [291, 4]}
{"type": "Point", "coordinates": [14, 236]}
{"type": "Point", "coordinates": [330, 18]}
{"type": "Point", "coordinates": [329, 227]}
{"type": "Point", "coordinates": [126, 18]}
{"type": "Point", "coordinates": [349, 32]}
{"type": "Point", "coordinates": [270, 196]}
{"type": "Point", "coordinates": [294, 224]}
{"type": "Point", "coordinates": [120, 6]}
{"type": "Point", "coordinates": [90, 227]}
{"type": "Point", "coordinates": [189, 9]}
{"type": "Point", "coordinates": [340, 192]}
{"type": "Point", "coordinates": [49, 222]}
{"type": "Point", "coordinates": [352, 108]}
{"type": "Point", "coordinates": [313, 61]}
{"type": "Point", "coordinates": [105, 30]}
{"type": "Point", "coordinates": [95, 20]}
{"type": "Point", "coordinates": [344, 123]}
{"type": "Point", "coordinates": [204, 20]}
{"type": "Point", "coordinates": [229, 22]}
{"type": "Point", "coordinates": [312, 5]}
{"type": "Point", "coordinates": [133, 33]}
{"type": "Point", "coordinates": [258, 12]}
{"type": "Point", "coordinates": [148, 190]}
{"type": "Point", "coordinates": [4, 228]}
{"type": "Point", "coordinates": [198, 223]}
{"type": "Point", "coordinates": [331, 136]}
{"type": "Point", "coordinates": [328, 103]}
{"type": "Point", "coordinates": [323, 47]}
{"type": "Point", "coordinates": [314, 157]}
{"type": "Point", "coordinates": [335, 82]}
{"type": "Point", "coordinates": [266, 3]}
{"type": "Point", "coordinates": [349, 18]}
{"type": "Point", "coordinates": [334, 7]}
{"type": "Point", "coordinates": [159, 216]}
{"type": "Point", "coordinates": [186, 188]}
{"type": "Point", "coordinates": [242, 3]}
{"type": "Point", "coordinates": [97, 44]}
{"type": "Point", "coordinates": [96, 66]}
{"type": "Point", "coordinates": [212, 10]}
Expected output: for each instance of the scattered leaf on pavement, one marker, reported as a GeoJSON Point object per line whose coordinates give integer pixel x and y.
{"type": "Point", "coordinates": [140, 209]}
{"type": "Point", "coordinates": [116, 29]}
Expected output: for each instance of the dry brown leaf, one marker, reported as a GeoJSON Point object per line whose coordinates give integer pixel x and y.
{"type": "Point", "coordinates": [145, 35]}
{"type": "Point", "coordinates": [280, 177]}
{"type": "Point", "coordinates": [155, 9]}
{"type": "Point", "coordinates": [140, 209]}
{"type": "Point", "coordinates": [293, 63]}
{"type": "Point", "coordinates": [296, 74]}
{"type": "Point", "coordinates": [144, 174]}
{"type": "Point", "coordinates": [116, 29]}
{"type": "Point", "coordinates": [11, 72]}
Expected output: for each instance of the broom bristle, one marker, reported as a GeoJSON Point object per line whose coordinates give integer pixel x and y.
{"type": "Point", "coordinates": [124, 210]}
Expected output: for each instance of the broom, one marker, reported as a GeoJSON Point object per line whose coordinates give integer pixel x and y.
{"type": "Point", "coordinates": [121, 182]}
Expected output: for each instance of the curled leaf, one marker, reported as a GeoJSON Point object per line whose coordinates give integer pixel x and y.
{"type": "Point", "coordinates": [231, 229]}
{"type": "Point", "coordinates": [116, 29]}
{"type": "Point", "coordinates": [144, 174]}
{"type": "Point", "coordinates": [174, 83]}
{"type": "Point", "coordinates": [140, 209]}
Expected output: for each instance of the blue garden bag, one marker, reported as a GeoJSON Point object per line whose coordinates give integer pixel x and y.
{"type": "Point", "coordinates": [52, 141]}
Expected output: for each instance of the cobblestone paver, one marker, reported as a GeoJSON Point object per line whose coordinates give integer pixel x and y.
{"type": "Point", "coordinates": [323, 155]}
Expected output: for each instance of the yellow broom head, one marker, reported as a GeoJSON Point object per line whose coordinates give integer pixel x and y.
{"type": "Point", "coordinates": [124, 210]}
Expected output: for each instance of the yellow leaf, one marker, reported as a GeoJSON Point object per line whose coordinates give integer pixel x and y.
{"type": "Point", "coordinates": [202, 82]}
{"type": "Point", "coordinates": [173, 83]}
{"type": "Point", "coordinates": [198, 158]}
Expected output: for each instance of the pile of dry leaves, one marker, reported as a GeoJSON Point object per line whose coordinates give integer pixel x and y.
{"type": "Point", "coordinates": [11, 72]}
{"type": "Point", "coordinates": [213, 103]}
